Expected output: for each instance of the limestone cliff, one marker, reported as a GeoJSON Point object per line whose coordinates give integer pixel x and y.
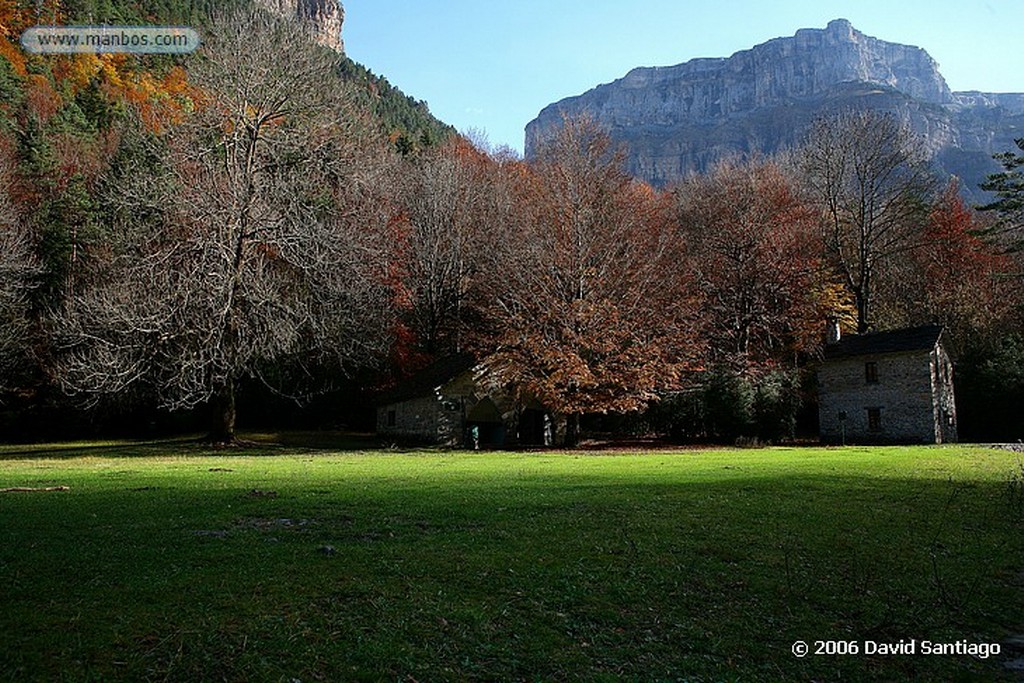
{"type": "Point", "coordinates": [679, 119]}
{"type": "Point", "coordinates": [324, 17]}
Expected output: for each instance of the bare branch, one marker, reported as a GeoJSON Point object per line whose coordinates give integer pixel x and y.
{"type": "Point", "coordinates": [268, 242]}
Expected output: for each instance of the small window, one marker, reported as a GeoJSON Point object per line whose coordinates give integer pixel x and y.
{"type": "Point", "coordinates": [874, 419]}
{"type": "Point", "coordinates": [392, 418]}
{"type": "Point", "coordinates": [871, 372]}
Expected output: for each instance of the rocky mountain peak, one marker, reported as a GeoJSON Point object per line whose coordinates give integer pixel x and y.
{"type": "Point", "coordinates": [674, 120]}
{"type": "Point", "coordinates": [858, 57]}
{"type": "Point", "coordinates": [324, 17]}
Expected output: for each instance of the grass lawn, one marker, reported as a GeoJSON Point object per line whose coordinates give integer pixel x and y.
{"type": "Point", "coordinates": [171, 562]}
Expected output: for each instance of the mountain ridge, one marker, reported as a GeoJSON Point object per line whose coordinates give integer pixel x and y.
{"type": "Point", "coordinates": [675, 120]}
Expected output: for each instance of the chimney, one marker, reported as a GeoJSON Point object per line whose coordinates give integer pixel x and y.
{"type": "Point", "coordinates": [832, 333]}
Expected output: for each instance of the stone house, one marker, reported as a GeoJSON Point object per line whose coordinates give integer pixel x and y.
{"type": "Point", "coordinates": [887, 387]}
{"type": "Point", "coordinates": [448, 404]}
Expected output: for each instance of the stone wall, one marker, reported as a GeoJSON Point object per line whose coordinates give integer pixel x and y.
{"type": "Point", "coordinates": [903, 395]}
{"type": "Point", "coordinates": [416, 418]}
{"type": "Point", "coordinates": [943, 399]}
{"type": "Point", "coordinates": [445, 417]}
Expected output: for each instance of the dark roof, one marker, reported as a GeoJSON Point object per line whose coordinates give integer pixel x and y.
{"type": "Point", "coordinates": [892, 341]}
{"type": "Point", "coordinates": [424, 382]}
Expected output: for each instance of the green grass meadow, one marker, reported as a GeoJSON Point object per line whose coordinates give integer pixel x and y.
{"type": "Point", "coordinates": [281, 563]}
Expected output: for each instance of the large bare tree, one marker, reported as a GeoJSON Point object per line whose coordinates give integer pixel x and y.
{"type": "Point", "coordinates": [17, 273]}
{"type": "Point", "coordinates": [868, 173]}
{"type": "Point", "coordinates": [270, 246]}
{"type": "Point", "coordinates": [754, 250]}
{"type": "Point", "coordinates": [447, 199]}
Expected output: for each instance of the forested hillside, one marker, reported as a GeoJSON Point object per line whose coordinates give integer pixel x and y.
{"type": "Point", "coordinates": [75, 130]}
{"type": "Point", "coordinates": [235, 232]}
{"type": "Point", "coordinates": [406, 120]}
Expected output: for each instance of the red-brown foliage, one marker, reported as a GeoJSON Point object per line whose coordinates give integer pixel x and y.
{"type": "Point", "coordinates": [590, 310]}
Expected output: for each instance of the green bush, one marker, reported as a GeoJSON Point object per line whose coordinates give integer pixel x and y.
{"type": "Point", "coordinates": [989, 383]}
{"type": "Point", "coordinates": [724, 407]}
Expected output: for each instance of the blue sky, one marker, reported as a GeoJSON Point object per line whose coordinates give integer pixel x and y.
{"type": "Point", "coordinates": [492, 65]}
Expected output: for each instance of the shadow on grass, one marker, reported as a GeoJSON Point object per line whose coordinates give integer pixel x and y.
{"type": "Point", "coordinates": [318, 440]}
{"type": "Point", "coordinates": [75, 449]}
{"type": "Point", "coordinates": [507, 569]}
{"type": "Point", "coordinates": [249, 444]}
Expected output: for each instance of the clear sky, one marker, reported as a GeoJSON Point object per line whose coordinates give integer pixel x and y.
{"type": "Point", "coordinates": [492, 65]}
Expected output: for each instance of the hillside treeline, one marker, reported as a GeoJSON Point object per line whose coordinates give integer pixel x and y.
{"type": "Point", "coordinates": [244, 229]}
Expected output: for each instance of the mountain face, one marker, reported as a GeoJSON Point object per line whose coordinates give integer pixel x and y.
{"type": "Point", "coordinates": [407, 121]}
{"type": "Point", "coordinates": [681, 119]}
{"type": "Point", "coordinates": [324, 17]}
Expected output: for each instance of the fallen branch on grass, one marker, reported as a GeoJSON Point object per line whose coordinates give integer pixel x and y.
{"type": "Point", "coordinates": [22, 489]}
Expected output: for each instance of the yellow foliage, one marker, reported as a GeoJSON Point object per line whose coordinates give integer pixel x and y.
{"type": "Point", "coordinates": [14, 18]}
{"type": "Point", "coordinates": [160, 99]}
{"type": "Point", "coordinates": [828, 299]}
{"type": "Point", "coordinates": [12, 53]}
{"type": "Point", "coordinates": [76, 70]}
{"type": "Point", "coordinates": [835, 299]}
{"type": "Point", "coordinates": [110, 73]}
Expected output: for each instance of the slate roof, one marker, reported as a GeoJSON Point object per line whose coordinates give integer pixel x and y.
{"type": "Point", "coordinates": [892, 341]}
{"type": "Point", "coordinates": [424, 382]}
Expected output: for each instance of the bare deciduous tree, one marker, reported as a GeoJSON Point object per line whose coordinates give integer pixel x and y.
{"type": "Point", "coordinates": [272, 246]}
{"type": "Point", "coordinates": [868, 173]}
{"type": "Point", "coordinates": [447, 201]}
{"type": "Point", "coordinates": [17, 270]}
{"type": "Point", "coordinates": [754, 250]}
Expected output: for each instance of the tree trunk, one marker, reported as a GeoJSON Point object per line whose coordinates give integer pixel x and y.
{"type": "Point", "coordinates": [863, 320]}
{"type": "Point", "coordinates": [222, 424]}
{"type": "Point", "coordinates": [861, 293]}
{"type": "Point", "coordinates": [572, 430]}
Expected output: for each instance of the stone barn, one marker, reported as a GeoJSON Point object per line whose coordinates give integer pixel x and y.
{"type": "Point", "coordinates": [448, 404]}
{"type": "Point", "coordinates": [887, 387]}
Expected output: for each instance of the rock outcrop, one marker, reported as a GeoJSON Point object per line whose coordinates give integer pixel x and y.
{"type": "Point", "coordinates": [680, 119]}
{"type": "Point", "coordinates": [324, 18]}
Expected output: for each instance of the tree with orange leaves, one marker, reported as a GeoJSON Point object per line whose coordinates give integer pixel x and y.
{"type": "Point", "coordinates": [755, 253]}
{"type": "Point", "coordinates": [955, 277]}
{"type": "Point", "coordinates": [590, 309]}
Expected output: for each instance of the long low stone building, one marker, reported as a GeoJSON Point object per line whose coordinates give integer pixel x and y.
{"type": "Point", "coordinates": [887, 387]}
{"type": "Point", "coordinates": [447, 403]}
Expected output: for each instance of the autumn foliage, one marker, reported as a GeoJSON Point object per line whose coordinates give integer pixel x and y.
{"type": "Point", "coordinates": [965, 283]}
{"type": "Point", "coordinates": [590, 310]}
{"type": "Point", "coordinates": [200, 224]}
{"type": "Point", "coordinates": [160, 93]}
{"type": "Point", "coordinates": [757, 257]}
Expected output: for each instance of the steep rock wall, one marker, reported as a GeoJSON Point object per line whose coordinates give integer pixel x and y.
{"type": "Point", "coordinates": [324, 17]}
{"type": "Point", "coordinates": [680, 119]}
